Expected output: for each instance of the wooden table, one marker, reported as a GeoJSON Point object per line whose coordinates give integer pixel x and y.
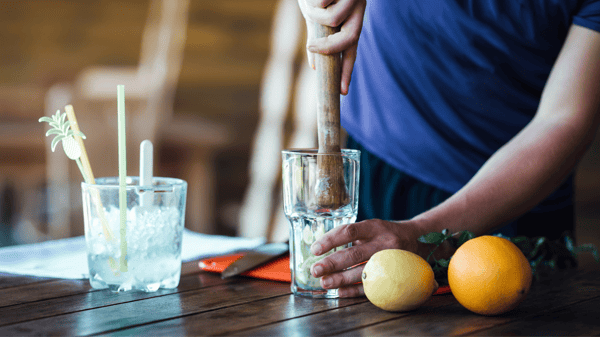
{"type": "Point", "coordinates": [562, 304]}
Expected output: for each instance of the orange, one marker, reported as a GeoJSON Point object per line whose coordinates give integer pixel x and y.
{"type": "Point", "coordinates": [489, 275]}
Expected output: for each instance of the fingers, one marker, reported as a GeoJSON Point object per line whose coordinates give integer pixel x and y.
{"type": "Point", "coordinates": [311, 59]}
{"type": "Point", "coordinates": [345, 39]}
{"type": "Point", "coordinates": [343, 259]}
{"type": "Point", "coordinates": [347, 13]}
{"type": "Point", "coordinates": [332, 15]}
{"type": "Point", "coordinates": [340, 236]}
{"type": "Point", "coordinates": [374, 235]}
{"type": "Point", "coordinates": [319, 3]}
{"type": "Point", "coordinates": [342, 279]}
{"type": "Point", "coordinates": [347, 282]}
{"type": "Point", "coordinates": [348, 59]}
{"type": "Point", "coordinates": [355, 290]}
{"type": "Point", "coordinates": [331, 44]}
{"type": "Point", "coordinates": [352, 29]}
{"type": "Point", "coordinates": [304, 9]}
{"type": "Point", "coordinates": [310, 32]}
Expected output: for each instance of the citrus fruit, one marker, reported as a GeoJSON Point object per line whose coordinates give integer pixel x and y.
{"type": "Point", "coordinates": [398, 280]}
{"type": "Point", "coordinates": [489, 275]}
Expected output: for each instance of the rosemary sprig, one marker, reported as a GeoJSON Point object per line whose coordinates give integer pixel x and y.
{"type": "Point", "coordinates": [440, 266]}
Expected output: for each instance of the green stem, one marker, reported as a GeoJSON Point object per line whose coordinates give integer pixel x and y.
{"type": "Point", "coordinates": [431, 253]}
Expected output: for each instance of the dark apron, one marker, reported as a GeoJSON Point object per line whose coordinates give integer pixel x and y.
{"type": "Point", "coordinates": [389, 194]}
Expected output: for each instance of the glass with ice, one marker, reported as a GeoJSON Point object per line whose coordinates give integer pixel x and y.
{"type": "Point", "coordinates": [153, 234]}
{"type": "Point", "coordinates": [308, 221]}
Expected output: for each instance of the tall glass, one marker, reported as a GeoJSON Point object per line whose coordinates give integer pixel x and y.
{"type": "Point", "coordinates": [153, 233]}
{"type": "Point", "coordinates": [309, 222]}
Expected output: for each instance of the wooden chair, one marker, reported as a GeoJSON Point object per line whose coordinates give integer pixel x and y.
{"type": "Point", "coordinates": [261, 213]}
{"type": "Point", "coordinates": [22, 164]}
{"type": "Point", "coordinates": [149, 91]}
{"type": "Point", "coordinates": [22, 169]}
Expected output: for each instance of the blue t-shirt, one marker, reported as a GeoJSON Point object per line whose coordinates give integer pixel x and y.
{"type": "Point", "coordinates": [439, 86]}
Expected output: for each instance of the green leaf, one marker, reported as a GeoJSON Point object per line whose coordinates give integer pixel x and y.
{"type": "Point", "coordinates": [519, 239]}
{"type": "Point", "coordinates": [55, 141]}
{"type": "Point", "coordinates": [588, 247]}
{"type": "Point", "coordinates": [437, 268]}
{"type": "Point", "coordinates": [538, 245]}
{"type": "Point", "coordinates": [443, 262]}
{"type": "Point", "coordinates": [56, 116]}
{"type": "Point", "coordinates": [534, 263]}
{"type": "Point", "coordinates": [72, 133]}
{"type": "Point", "coordinates": [45, 119]}
{"type": "Point", "coordinates": [464, 237]}
{"type": "Point", "coordinates": [62, 117]}
{"type": "Point", "coordinates": [432, 238]}
{"type": "Point", "coordinates": [569, 244]}
{"type": "Point", "coordinates": [52, 132]}
{"type": "Point", "coordinates": [65, 128]}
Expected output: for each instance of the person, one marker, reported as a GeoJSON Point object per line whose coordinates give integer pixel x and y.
{"type": "Point", "coordinates": [470, 115]}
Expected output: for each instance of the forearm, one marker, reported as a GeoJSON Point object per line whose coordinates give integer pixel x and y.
{"type": "Point", "coordinates": [531, 165]}
{"type": "Point", "coordinates": [516, 178]}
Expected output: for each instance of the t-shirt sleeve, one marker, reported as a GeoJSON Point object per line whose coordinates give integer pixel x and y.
{"type": "Point", "coordinates": [588, 15]}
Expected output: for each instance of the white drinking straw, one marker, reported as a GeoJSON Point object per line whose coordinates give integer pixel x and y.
{"type": "Point", "coordinates": [146, 172]}
{"type": "Point", "coordinates": [122, 175]}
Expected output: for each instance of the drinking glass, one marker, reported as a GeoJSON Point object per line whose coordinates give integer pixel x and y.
{"type": "Point", "coordinates": [310, 221]}
{"type": "Point", "coordinates": [151, 239]}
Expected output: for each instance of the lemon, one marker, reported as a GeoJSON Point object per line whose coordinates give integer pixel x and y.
{"type": "Point", "coordinates": [398, 280]}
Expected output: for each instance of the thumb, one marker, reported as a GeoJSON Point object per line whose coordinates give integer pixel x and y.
{"type": "Point", "coordinates": [310, 36]}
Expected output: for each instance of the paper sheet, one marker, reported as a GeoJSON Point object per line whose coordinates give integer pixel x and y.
{"type": "Point", "coordinates": [66, 258]}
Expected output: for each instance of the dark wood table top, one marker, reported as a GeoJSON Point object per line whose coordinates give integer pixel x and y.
{"type": "Point", "coordinates": [564, 303]}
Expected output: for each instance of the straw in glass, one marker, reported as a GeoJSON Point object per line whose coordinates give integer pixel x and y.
{"type": "Point", "coordinates": [122, 174]}
{"type": "Point", "coordinates": [146, 172]}
{"type": "Point", "coordinates": [67, 132]}
{"type": "Point", "coordinates": [87, 173]}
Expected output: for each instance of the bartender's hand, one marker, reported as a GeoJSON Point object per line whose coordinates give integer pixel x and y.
{"type": "Point", "coordinates": [348, 14]}
{"type": "Point", "coordinates": [367, 238]}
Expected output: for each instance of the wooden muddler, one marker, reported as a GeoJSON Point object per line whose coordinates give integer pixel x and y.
{"type": "Point", "coordinates": [331, 189]}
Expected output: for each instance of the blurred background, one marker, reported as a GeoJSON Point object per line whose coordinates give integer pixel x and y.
{"type": "Point", "coordinates": [214, 85]}
{"type": "Point", "coordinates": [193, 72]}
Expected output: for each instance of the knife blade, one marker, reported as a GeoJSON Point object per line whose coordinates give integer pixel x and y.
{"type": "Point", "coordinates": [255, 258]}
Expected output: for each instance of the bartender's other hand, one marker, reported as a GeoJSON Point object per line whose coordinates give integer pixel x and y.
{"type": "Point", "coordinates": [367, 238]}
{"type": "Point", "coordinates": [348, 15]}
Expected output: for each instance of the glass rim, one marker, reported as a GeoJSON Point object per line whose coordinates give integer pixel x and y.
{"type": "Point", "coordinates": [315, 152]}
{"type": "Point", "coordinates": [132, 182]}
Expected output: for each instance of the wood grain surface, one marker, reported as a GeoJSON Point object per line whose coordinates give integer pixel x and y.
{"type": "Point", "coordinates": [562, 303]}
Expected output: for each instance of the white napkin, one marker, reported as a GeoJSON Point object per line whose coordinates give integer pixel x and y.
{"type": "Point", "coordinates": [67, 258]}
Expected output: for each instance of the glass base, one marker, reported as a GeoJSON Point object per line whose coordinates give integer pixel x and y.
{"type": "Point", "coordinates": [314, 293]}
{"type": "Point", "coordinates": [99, 283]}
